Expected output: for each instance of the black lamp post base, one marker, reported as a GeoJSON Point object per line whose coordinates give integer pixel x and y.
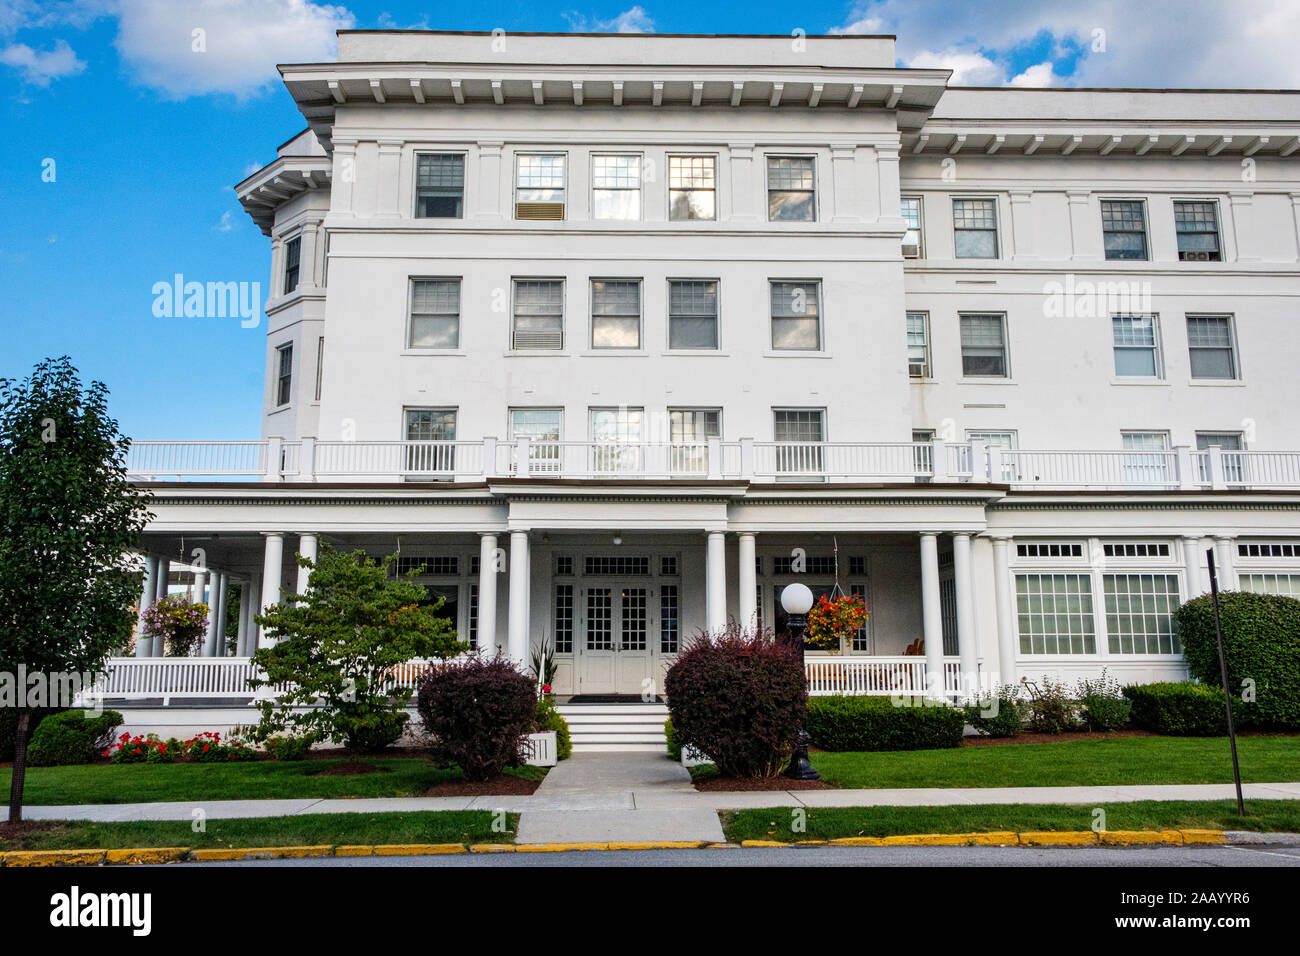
{"type": "Point", "coordinates": [800, 767]}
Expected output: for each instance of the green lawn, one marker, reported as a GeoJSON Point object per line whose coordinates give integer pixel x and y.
{"type": "Point", "coordinates": [458, 826]}
{"type": "Point", "coordinates": [834, 822]}
{"type": "Point", "coordinates": [265, 780]}
{"type": "Point", "coordinates": [1112, 761]}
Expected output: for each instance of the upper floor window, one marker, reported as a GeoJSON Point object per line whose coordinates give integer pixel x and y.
{"type": "Point", "coordinates": [1197, 225]}
{"type": "Point", "coordinates": [439, 185]}
{"type": "Point", "coordinates": [539, 186]}
{"type": "Point", "coordinates": [918, 344]}
{"type": "Point", "coordinates": [292, 252]}
{"type": "Point", "coordinates": [796, 315]}
{"type": "Point", "coordinates": [984, 346]}
{"type": "Point", "coordinates": [1137, 346]}
{"type": "Point", "coordinates": [975, 228]}
{"type": "Point", "coordinates": [1228, 441]}
{"type": "Point", "coordinates": [694, 424]}
{"type": "Point", "coordinates": [692, 187]}
{"type": "Point", "coordinates": [1124, 228]}
{"type": "Point", "coordinates": [693, 313]}
{"type": "Point", "coordinates": [616, 314]}
{"type": "Point", "coordinates": [790, 188]}
{"type": "Point", "coordinates": [538, 315]}
{"type": "Point", "coordinates": [794, 429]}
{"type": "Point", "coordinates": [1212, 347]}
{"type": "Point", "coordinates": [434, 314]}
{"type": "Point", "coordinates": [911, 210]}
{"type": "Point", "coordinates": [544, 428]}
{"type": "Point", "coordinates": [615, 187]}
{"type": "Point", "coordinates": [284, 374]}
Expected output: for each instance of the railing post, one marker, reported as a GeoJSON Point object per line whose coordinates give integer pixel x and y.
{"type": "Point", "coordinates": [272, 465]}
{"type": "Point", "coordinates": [996, 472]}
{"type": "Point", "coordinates": [1214, 464]}
{"type": "Point", "coordinates": [938, 460]}
{"type": "Point", "coordinates": [489, 457]}
{"type": "Point", "coordinates": [979, 466]}
{"type": "Point", "coordinates": [1185, 466]}
{"type": "Point", "coordinates": [523, 457]}
{"type": "Point", "coordinates": [307, 459]}
{"type": "Point", "coordinates": [747, 458]}
{"type": "Point", "coordinates": [715, 457]}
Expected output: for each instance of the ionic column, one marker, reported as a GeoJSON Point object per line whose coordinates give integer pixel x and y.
{"type": "Point", "coordinates": [272, 571]}
{"type": "Point", "coordinates": [517, 624]}
{"type": "Point", "coordinates": [932, 615]}
{"type": "Point", "coordinates": [1192, 566]}
{"type": "Point", "coordinates": [715, 603]}
{"type": "Point", "coordinates": [307, 547]}
{"type": "Point", "coordinates": [1003, 606]}
{"type": "Point", "coordinates": [967, 639]}
{"type": "Point", "coordinates": [144, 645]}
{"type": "Point", "coordinates": [487, 594]}
{"type": "Point", "coordinates": [160, 592]}
{"type": "Point", "coordinates": [747, 600]}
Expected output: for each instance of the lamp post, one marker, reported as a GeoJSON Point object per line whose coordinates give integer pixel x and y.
{"type": "Point", "coordinates": [797, 601]}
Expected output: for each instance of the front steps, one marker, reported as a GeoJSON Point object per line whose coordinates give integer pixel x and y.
{"type": "Point", "coordinates": [616, 728]}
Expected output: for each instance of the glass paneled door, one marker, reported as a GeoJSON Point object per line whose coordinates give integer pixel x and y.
{"type": "Point", "coordinates": [615, 656]}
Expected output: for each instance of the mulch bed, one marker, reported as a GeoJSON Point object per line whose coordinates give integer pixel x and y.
{"type": "Point", "coordinates": [503, 785]}
{"type": "Point", "coordinates": [734, 784]}
{"type": "Point", "coordinates": [1026, 738]}
{"type": "Point", "coordinates": [11, 831]}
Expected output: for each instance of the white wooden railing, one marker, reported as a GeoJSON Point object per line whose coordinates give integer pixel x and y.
{"type": "Point", "coordinates": [877, 676]}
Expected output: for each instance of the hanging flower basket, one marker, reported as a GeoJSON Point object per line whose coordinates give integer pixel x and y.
{"type": "Point", "coordinates": [178, 622]}
{"type": "Point", "coordinates": [833, 619]}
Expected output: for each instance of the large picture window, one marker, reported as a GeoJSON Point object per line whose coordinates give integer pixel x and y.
{"type": "Point", "coordinates": [1140, 613]}
{"type": "Point", "coordinates": [1054, 614]}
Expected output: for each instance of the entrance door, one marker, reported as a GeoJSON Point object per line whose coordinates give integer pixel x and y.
{"type": "Point", "coordinates": [615, 653]}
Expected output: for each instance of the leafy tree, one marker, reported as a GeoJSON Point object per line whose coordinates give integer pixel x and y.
{"type": "Point", "coordinates": [68, 521]}
{"type": "Point", "coordinates": [336, 647]}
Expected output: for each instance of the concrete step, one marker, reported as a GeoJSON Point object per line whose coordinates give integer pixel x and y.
{"type": "Point", "coordinates": [616, 728]}
{"type": "Point", "coordinates": [618, 748]}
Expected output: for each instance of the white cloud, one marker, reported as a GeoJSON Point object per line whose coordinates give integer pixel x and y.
{"type": "Point", "coordinates": [227, 222]}
{"type": "Point", "coordinates": [237, 52]}
{"type": "Point", "coordinates": [968, 69]}
{"type": "Point", "coordinates": [634, 20]}
{"type": "Point", "coordinates": [865, 26]}
{"type": "Point", "coordinates": [1039, 75]}
{"type": "Point", "coordinates": [39, 67]}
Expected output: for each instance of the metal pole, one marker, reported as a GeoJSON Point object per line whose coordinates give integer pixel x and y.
{"type": "Point", "coordinates": [1223, 672]}
{"type": "Point", "coordinates": [801, 767]}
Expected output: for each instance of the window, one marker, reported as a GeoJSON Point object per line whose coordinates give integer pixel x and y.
{"type": "Point", "coordinates": [543, 428]}
{"type": "Point", "coordinates": [923, 458]}
{"type": "Point", "coordinates": [911, 210]}
{"type": "Point", "coordinates": [430, 425]}
{"type": "Point", "coordinates": [1228, 441]}
{"type": "Point", "coordinates": [616, 434]}
{"type": "Point", "coordinates": [796, 315]}
{"type": "Point", "coordinates": [799, 425]}
{"type": "Point", "coordinates": [692, 428]}
{"type": "Point", "coordinates": [1124, 228]}
{"type": "Point", "coordinates": [539, 314]}
{"type": "Point", "coordinates": [439, 186]}
{"type": "Point", "coordinates": [435, 314]}
{"type": "Point", "coordinates": [1137, 346]}
{"type": "Point", "coordinates": [1140, 613]}
{"type": "Point", "coordinates": [1146, 469]}
{"type": "Point", "coordinates": [564, 564]}
{"type": "Point", "coordinates": [1044, 549]}
{"type": "Point", "coordinates": [284, 375]}
{"type": "Point", "coordinates": [669, 619]}
{"type": "Point", "coordinates": [692, 188]}
{"type": "Point", "coordinates": [1234, 468]}
{"type": "Point", "coordinates": [320, 364]}
{"type": "Point", "coordinates": [861, 640]}
{"type": "Point", "coordinates": [1211, 344]}
{"type": "Point", "coordinates": [472, 639]}
{"type": "Point", "coordinates": [631, 564]}
{"type": "Point", "coordinates": [693, 313]}
{"type": "Point", "coordinates": [790, 190]}
{"type": "Point", "coordinates": [1284, 584]}
{"type": "Point", "coordinates": [918, 344]}
{"type": "Point", "coordinates": [975, 228]}
{"type": "Point", "coordinates": [564, 619]}
{"type": "Point", "coordinates": [616, 314]}
{"type": "Point", "coordinates": [1197, 226]}
{"type": "Point", "coordinates": [983, 346]}
{"type": "Point", "coordinates": [292, 251]}
{"type": "Point", "coordinates": [1007, 442]}
{"type": "Point", "coordinates": [1264, 549]}
{"type": "Point", "coordinates": [1054, 614]}
{"type": "Point", "coordinates": [615, 187]}
{"type": "Point", "coordinates": [1135, 549]}
{"type": "Point", "coordinates": [668, 565]}
{"type": "Point", "coordinates": [539, 186]}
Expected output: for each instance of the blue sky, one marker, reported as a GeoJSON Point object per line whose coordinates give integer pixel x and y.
{"type": "Point", "coordinates": [147, 138]}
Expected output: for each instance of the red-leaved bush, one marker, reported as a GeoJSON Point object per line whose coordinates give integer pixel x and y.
{"type": "Point", "coordinates": [477, 713]}
{"type": "Point", "coordinates": [739, 697]}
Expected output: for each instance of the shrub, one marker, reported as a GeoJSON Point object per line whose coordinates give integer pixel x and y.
{"type": "Point", "coordinates": [841, 722]}
{"type": "Point", "coordinates": [548, 718]}
{"type": "Point", "coordinates": [1261, 644]}
{"type": "Point", "coordinates": [476, 713]}
{"type": "Point", "coordinates": [1000, 712]}
{"type": "Point", "coordinates": [288, 747]}
{"type": "Point", "coordinates": [9, 730]}
{"type": "Point", "coordinates": [70, 737]}
{"type": "Point", "coordinates": [1103, 704]}
{"type": "Point", "coordinates": [1051, 709]}
{"type": "Point", "coordinates": [739, 697]}
{"type": "Point", "coordinates": [674, 742]}
{"type": "Point", "coordinates": [140, 749]}
{"type": "Point", "coordinates": [1182, 709]}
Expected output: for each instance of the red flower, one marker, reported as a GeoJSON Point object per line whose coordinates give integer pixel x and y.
{"type": "Point", "coordinates": [205, 748]}
{"type": "Point", "coordinates": [546, 688]}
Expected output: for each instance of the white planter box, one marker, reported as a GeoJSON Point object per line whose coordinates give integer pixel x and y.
{"type": "Point", "coordinates": [693, 758]}
{"type": "Point", "coordinates": [542, 749]}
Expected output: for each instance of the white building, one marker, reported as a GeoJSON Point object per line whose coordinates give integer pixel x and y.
{"type": "Point", "coordinates": [613, 334]}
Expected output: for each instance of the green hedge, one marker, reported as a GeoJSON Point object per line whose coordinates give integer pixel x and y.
{"type": "Point", "coordinates": [1183, 709]}
{"type": "Point", "coordinates": [674, 742]}
{"type": "Point", "coordinates": [1261, 644]}
{"type": "Point", "coordinates": [875, 723]}
{"type": "Point", "coordinates": [70, 737]}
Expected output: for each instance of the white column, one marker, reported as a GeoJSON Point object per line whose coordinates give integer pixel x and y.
{"type": "Point", "coordinates": [1225, 551]}
{"type": "Point", "coordinates": [248, 611]}
{"type": "Point", "coordinates": [210, 633]}
{"type": "Point", "coordinates": [390, 179]}
{"type": "Point", "coordinates": [272, 570]}
{"type": "Point", "coordinates": [715, 602]}
{"type": "Point", "coordinates": [742, 183]}
{"type": "Point", "coordinates": [223, 601]}
{"type": "Point", "coordinates": [932, 615]}
{"type": "Point", "coordinates": [307, 547]}
{"type": "Point", "coordinates": [489, 181]}
{"type": "Point", "coordinates": [1002, 599]}
{"type": "Point", "coordinates": [200, 584]}
{"type": "Point", "coordinates": [487, 594]}
{"type": "Point", "coordinates": [1022, 223]}
{"type": "Point", "coordinates": [747, 601]}
{"type": "Point", "coordinates": [160, 592]}
{"type": "Point", "coordinates": [144, 645]}
{"type": "Point", "coordinates": [1192, 566]}
{"type": "Point", "coordinates": [517, 623]}
{"type": "Point", "coordinates": [967, 639]}
{"type": "Point", "coordinates": [241, 623]}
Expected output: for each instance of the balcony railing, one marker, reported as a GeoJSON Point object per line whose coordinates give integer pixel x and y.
{"type": "Point", "coordinates": [891, 463]}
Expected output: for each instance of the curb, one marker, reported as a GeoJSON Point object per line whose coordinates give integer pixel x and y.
{"type": "Point", "coordinates": [1027, 838]}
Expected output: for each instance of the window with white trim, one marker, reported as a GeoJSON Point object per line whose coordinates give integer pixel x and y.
{"type": "Point", "coordinates": [1287, 585]}
{"type": "Point", "coordinates": [615, 186]}
{"type": "Point", "coordinates": [1054, 614]}
{"type": "Point", "coordinates": [538, 321]}
{"type": "Point", "coordinates": [975, 228]}
{"type": "Point", "coordinates": [692, 313]}
{"type": "Point", "coordinates": [792, 429]}
{"type": "Point", "coordinates": [918, 344]}
{"type": "Point", "coordinates": [1148, 469]}
{"type": "Point", "coordinates": [543, 427]}
{"type": "Point", "coordinates": [616, 435]}
{"type": "Point", "coordinates": [564, 619]}
{"type": "Point", "coordinates": [292, 253]}
{"type": "Point", "coordinates": [692, 188]}
{"type": "Point", "coordinates": [1137, 346]}
{"type": "Point", "coordinates": [1196, 223]}
{"type": "Point", "coordinates": [1140, 613]}
{"type": "Point", "coordinates": [912, 238]}
{"type": "Point", "coordinates": [796, 315]}
{"type": "Point", "coordinates": [615, 313]}
{"type": "Point", "coordinates": [439, 185]}
{"type": "Point", "coordinates": [984, 345]}
{"type": "Point", "coordinates": [1212, 347]}
{"type": "Point", "coordinates": [539, 186]}
{"type": "Point", "coordinates": [791, 189]}
{"type": "Point", "coordinates": [1124, 228]}
{"type": "Point", "coordinates": [434, 315]}
{"type": "Point", "coordinates": [284, 374]}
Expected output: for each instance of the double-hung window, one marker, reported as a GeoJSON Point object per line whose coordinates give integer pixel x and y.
{"type": "Point", "coordinates": [1212, 347]}
{"type": "Point", "coordinates": [918, 344]}
{"type": "Point", "coordinates": [1196, 223]}
{"type": "Point", "coordinates": [284, 374]}
{"type": "Point", "coordinates": [911, 210]}
{"type": "Point", "coordinates": [692, 187]}
{"type": "Point", "coordinates": [439, 185]}
{"type": "Point", "coordinates": [292, 252]}
{"type": "Point", "coordinates": [693, 313]}
{"type": "Point", "coordinates": [617, 435]}
{"type": "Point", "coordinates": [538, 321]}
{"type": "Point", "coordinates": [615, 313]}
{"type": "Point", "coordinates": [984, 346]}
{"type": "Point", "coordinates": [615, 186]}
{"type": "Point", "coordinates": [425, 426]}
{"type": "Point", "coordinates": [1124, 228]}
{"type": "Point", "coordinates": [791, 189]}
{"type": "Point", "coordinates": [434, 314]}
{"type": "Point", "coordinates": [796, 315]}
{"type": "Point", "coordinates": [1149, 464]}
{"type": "Point", "coordinates": [975, 228]}
{"type": "Point", "coordinates": [539, 186]}
{"type": "Point", "coordinates": [1137, 346]}
{"type": "Point", "coordinates": [798, 433]}
{"type": "Point", "coordinates": [689, 430]}
{"type": "Point", "coordinates": [543, 427]}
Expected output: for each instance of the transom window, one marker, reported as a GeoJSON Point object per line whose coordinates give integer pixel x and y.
{"type": "Point", "coordinates": [692, 187]}
{"type": "Point", "coordinates": [437, 564]}
{"type": "Point", "coordinates": [1054, 614]}
{"type": "Point", "coordinates": [615, 187]}
{"type": "Point", "coordinates": [983, 346]}
{"type": "Point", "coordinates": [633, 564]}
{"type": "Point", "coordinates": [539, 186]}
{"type": "Point", "coordinates": [434, 314]}
{"type": "Point", "coordinates": [439, 186]}
{"type": "Point", "coordinates": [1212, 347]}
{"type": "Point", "coordinates": [918, 344]}
{"type": "Point", "coordinates": [790, 189]}
{"type": "Point", "coordinates": [615, 313]}
{"type": "Point", "coordinates": [1196, 223]}
{"type": "Point", "coordinates": [911, 210]}
{"type": "Point", "coordinates": [284, 374]}
{"type": "Point", "coordinates": [538, 321]}
{"type": "Point", "coordinates": [1140, 613]}
{"type": "Point", "coordinates": [1135, 549]}
{"type": "Point", "coordinates": [796, 315]}
{"type": "Point", "coordinates": [1137, 346]}
{"type": "Point", "coordinates": [1268, 549]}
{"type": "Point", "coordinates": [1051, 549]}
{"type": "Point", "coordinates": [1124, 228]}
{"type": "Point", "coordinates": [693, 314]}
{"type": "Point", "coordinates": [975, 228]}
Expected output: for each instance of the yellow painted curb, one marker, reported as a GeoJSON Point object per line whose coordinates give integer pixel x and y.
{"type": "Point", "coordinates": [260, 853]}
{"type": "Point", "coordinates": [763, 843]}
{"type": "Point", "coordinates": [492, 848]}
{"type": "Point", "coordinates": [165, 854]}
{"type": "Point", "coordinates": [657, 845]}
{"type": "Point", "coordinates": [1204, 836]}
{"type": "Point", "coordinates": [53, 858]}
{"type": "Point", "coordinates": [354, 849]}
{"type": "Point", "coordinates": [418, 849]}
{"type": "Point", "coordinates": [857, 841]}
{"type": "Point", "coordinates": [1059, 838]}
{"type": "Point", "coordinates": [721, 846]}
{"type": "Point", "coordinates": [1131, 837]}
{"type": "Point", "coordinates": [557, 847]}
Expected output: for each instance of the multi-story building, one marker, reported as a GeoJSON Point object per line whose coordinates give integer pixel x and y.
{"type": "Point", "coordinates": [618, 335]}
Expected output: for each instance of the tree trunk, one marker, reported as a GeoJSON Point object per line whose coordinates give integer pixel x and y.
{"type": "Point", "coordinates": [21, 733]}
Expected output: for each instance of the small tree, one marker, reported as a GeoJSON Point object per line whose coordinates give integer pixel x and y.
{"type": "Point", "coordinates": [68, 521]}
{"type": "Point", "coordinates": [477, 713]}
{"type": "Point", "coordinates": [337, 646]}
